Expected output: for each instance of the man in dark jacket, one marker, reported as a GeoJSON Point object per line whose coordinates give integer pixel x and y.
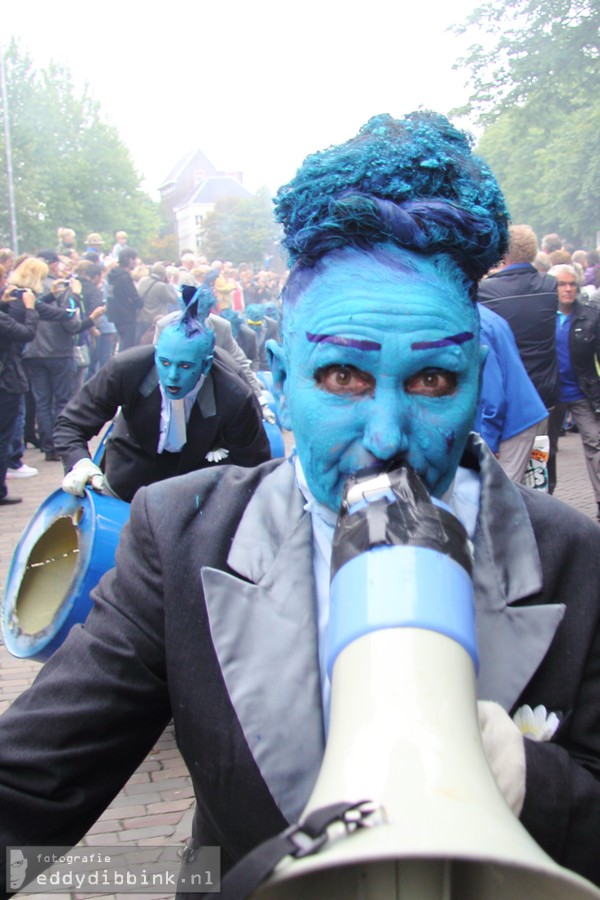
{"type": "Point", "coordinates": [578, 348]}
{"type": "Point", "coordinates": [18, 323]}
{"type": "Point", "coordinates": [123, 300]}
{"type": "Point", "coordinates": [528, 301]}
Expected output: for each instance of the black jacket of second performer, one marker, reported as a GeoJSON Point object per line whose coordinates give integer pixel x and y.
{"type": "Point", "coordinates": [226, 415]}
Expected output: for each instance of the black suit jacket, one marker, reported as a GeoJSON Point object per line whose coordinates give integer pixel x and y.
{"type": "Point", "coordinates": [225, 414]}
{"type": "Point", "coordinates": [211, 620]}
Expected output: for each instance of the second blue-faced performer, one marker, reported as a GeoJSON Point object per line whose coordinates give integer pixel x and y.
{"type": "Point", "coordinates": [184, 405]}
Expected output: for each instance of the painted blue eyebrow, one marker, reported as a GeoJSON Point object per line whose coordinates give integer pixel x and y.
{"type": "Point", "coordinates": [342, 341]}
{"type": "Point", "coordinates": [454, 339]}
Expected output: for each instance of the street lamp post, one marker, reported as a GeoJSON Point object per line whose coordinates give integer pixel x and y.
{"type": "Point", "coordinates": [8, 155]}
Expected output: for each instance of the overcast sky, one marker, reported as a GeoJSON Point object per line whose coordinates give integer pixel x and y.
{"type": "Point", "coordinates": [255, 84]}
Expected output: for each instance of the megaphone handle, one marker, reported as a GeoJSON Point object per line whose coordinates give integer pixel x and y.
{"type": "Point", "coordinates": [301, 840]}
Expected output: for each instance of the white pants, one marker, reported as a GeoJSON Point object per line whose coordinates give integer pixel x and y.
{"type": "Point", "coordinates": [513, 454]}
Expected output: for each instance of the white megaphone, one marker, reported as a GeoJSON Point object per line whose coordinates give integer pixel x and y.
{"type": "Point", "coordinates": [403, 728]}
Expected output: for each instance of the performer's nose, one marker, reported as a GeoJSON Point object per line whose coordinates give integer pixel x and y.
{"type": "Point", "coordinates": [385, 434]}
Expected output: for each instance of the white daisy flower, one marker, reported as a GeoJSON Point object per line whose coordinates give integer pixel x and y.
{"type": "Point", "coordinates": [536, 724]}
{"type": "Point", "coordinates": [217, 455]}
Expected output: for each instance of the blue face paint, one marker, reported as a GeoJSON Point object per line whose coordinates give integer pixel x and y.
{"type": "Point", "coordinates": [255, 316]}
{"type": "Point", "coordinates": [394, 370]}
{"type": "Point", "coordinates": [181, 360]}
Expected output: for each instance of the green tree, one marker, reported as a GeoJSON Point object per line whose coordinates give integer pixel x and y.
{"type": "Point", "coordinates": [535, 79]}
{"type": "Point", "coordinates": [70, 166]}
{"type": "Point", "coordinates": [550, 175]}
{"type": "Point", "coordinates": [240, 230]}
{"type": "Point", "coordinates": [537, 52]}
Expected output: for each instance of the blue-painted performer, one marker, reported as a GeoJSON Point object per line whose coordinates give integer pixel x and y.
{"type": "Point", "coordinates": [184, 405]}
{"type": "Point", "coordinates": [216, 612]}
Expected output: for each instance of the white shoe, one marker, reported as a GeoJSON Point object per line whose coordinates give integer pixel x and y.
{"type": "Point", "coordinates": [22, 472]}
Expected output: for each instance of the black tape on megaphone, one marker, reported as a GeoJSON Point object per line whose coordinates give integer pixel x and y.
{"type": "Point", "coordinates": [392, 508]}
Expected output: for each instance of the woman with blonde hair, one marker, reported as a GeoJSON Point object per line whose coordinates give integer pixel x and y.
{"type": "Point", "coordinates": [30, 274]}
{"type": "Point", "coordinates": [27, 277]}
{"type": "Point", "coordinates": [18, 323]}
{"type": "Point", "coordinates": [49, 358]}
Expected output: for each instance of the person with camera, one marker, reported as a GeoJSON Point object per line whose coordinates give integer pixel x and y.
{"type": "Point", "coordinates": [49, 357]}
{"type": "Point", "coordinates": [18, 324]}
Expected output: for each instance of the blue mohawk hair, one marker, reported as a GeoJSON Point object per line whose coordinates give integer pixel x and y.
{"type": "Point", "coordinates": [197, 304]}
{"type": "Point", "coordinates": [412, 182]}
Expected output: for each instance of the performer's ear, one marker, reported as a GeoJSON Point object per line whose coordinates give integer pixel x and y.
{"type": "Point", "coordinates": [207, 364]}
{"type": "Point", "coordinates": [278, 366]}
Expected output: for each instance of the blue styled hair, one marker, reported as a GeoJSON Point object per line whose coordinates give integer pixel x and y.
{"type": "Point", "coordinates": [196, 305]}
{"type": "Point", "coordinates": [411, 182]}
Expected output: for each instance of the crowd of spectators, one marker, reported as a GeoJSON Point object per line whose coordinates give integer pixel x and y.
{"type": "Point", "coordinates": [64, 313]}
{"type": "Point", "coordinates": [550, 298]}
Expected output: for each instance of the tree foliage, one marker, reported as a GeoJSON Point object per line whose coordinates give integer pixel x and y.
{"type": "Point", "coordinates": [70, 167]}
{"type": "Point", "coordinates": [240, 230]}
{"type": "Point", "coordinates": [538, 51]}
{"type": "Point", "coordinates": [535, 80]}
{"type": "Point", "coordinates": [550, 175]}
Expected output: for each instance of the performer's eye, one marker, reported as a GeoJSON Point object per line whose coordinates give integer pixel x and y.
{"type": "Point", "coordinates": [339, 379]}
{"type": "Point", "coordinates": [431, 383]}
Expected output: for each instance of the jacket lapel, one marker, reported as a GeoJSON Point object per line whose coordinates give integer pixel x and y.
{"type": "Point", "coordinates": [145, 417]}
{"type": "Point", "coordinates": [263, 627]}
{"type": "Point", "coordinates": [512, 640]}
{"type": "Point", "coordinates": [202, 428]}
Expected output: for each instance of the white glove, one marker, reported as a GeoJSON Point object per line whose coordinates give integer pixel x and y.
{"type": "Point", "coordinates": [266, 397]}
{"type": "Point", "coordinates": [217, 455]}
{"type": "Point", "coordinates": [83, 472]}
{"type": "Point", "coordinates": [505, 751]}
{"type": "Point", "coordinates": [269, 415]}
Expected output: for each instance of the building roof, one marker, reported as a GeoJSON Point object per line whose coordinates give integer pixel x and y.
{"type": "Point", "coordinates": [217, 187]}
{"type": "Point", "coordinates": [195, 159]}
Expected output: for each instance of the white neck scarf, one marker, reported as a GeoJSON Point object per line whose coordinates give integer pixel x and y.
{"type": "Point", "coordinates": [174, 416]}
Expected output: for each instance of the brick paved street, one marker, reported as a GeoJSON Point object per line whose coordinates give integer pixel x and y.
{"type": "Point", "coordinates": [155, 807]}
